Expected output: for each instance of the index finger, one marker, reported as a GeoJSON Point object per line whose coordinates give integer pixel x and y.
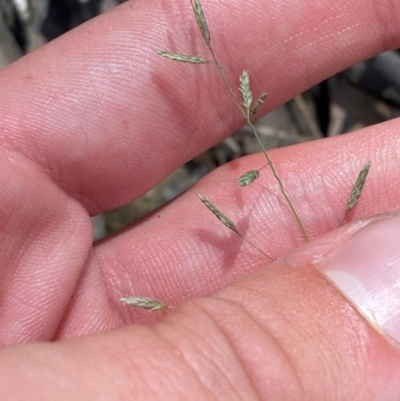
{"type": "Point", "coordinates": [108, 119]}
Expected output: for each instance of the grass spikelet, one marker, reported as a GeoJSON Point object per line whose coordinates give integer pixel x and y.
{"type": "Point", "coordinates": [228, 223]}
{"type": "Point", "coordinates": [245, 91]}
{"type": "Point", "coordinates": [257, 105]}
{"type": "Point", "coordinates": [357, 188]}
{"type": "Point", "coordinates": [218, 214]}
{"type": "Point", "coordinates": [182, 57]}
{"type": "Point", "coordinates": [145, 303]}
{"type": "Point", "coordinates": [201, 20]}
{"type": "Point", "coordinates": [248, 177]}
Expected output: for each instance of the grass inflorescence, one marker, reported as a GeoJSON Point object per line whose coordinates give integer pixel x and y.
{"type": "Point", "coordinates": [248, 109]}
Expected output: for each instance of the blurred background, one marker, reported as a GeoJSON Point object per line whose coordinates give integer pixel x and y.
{"type": "Point", "coordinates": [365, 94]}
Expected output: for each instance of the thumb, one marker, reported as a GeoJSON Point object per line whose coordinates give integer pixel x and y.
{"type": "Point", "coordinates": [286, 332]}
{"type": "Point", "coordinates": [330, 336]}
{"type": "Point", "coordinates": [366, 270]}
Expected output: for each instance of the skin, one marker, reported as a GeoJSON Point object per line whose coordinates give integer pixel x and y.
{"type": "Point", "coordinates": [93, 120]}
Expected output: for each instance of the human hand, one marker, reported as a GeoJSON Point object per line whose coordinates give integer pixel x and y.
{"type": "Point", "coordinates": [78, 138]}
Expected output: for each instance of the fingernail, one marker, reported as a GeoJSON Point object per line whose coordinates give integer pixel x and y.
{"type": "Point", "coordinates": [366, 269]}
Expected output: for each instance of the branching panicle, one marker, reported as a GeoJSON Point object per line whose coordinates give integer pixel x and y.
{"type": "Point", "coordinates": [248, 111]}
{"type": "Point", "coordinates": [245, 107]}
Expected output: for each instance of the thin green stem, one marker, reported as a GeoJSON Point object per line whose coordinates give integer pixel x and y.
{"type": "Point", "coordinates": [221, 73]}
{"type": "Point", "coordinates": [274, 172]}
{"type": "Point", "coordinates": [247, 118]}
{"type": "Point", "coordinates": [254, 246]}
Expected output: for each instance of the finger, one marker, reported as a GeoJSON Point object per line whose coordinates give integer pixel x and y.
{"type": "Point", "coordinates": [107, 118]}
{"type": "Point", "coordinates": [283, 333]}
{"type": "Point", "coordinates": [45, 241]}
{"type": "Point", "coordinates": [182, 251]}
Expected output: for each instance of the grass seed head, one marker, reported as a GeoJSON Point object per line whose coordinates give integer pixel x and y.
{"type": "Point", "coordinates": [201, 20]}
{"type": "Point", "coordinates": [244, 88]}
{"type": "Point", "coordinates": [144, 303]}
{"type": "Point", "coordinates": [218, 214]}
{"type": "Point", "coordinates": [257, 105]}
{"type": "Point", "coordinates": [181, 57]}
{"type": "Point", "coordinates": [357, 188]}
{"type": "Point", "coordinates": [248, 178]}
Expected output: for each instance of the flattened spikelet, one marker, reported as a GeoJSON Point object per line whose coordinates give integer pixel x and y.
{"type": "Point", "coordinates": [201, 21]}
{"type": "Point", "coordinates": [144, 303]}
{"type": "Point", "coordinates": [181, 57]}
{"type": "Point", "coordinates": [357, 188]}
{"type": "Point", "coordinates": [244, 88]}
{"type": "Point", "coordinates": [248, 178]}
{"type": "Point", "coordinates": [257, 105]}
{"type": "Point", "coordinates": [228, 223]}
{"type": "Point", "coordinates": [218, 214]}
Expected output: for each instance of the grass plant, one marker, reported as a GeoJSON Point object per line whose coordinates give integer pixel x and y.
{"type": "Point", "coordinates": [248, 109]}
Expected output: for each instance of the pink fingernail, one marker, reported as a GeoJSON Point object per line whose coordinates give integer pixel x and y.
{"type": "Point", "coordinates": [366, 269]}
